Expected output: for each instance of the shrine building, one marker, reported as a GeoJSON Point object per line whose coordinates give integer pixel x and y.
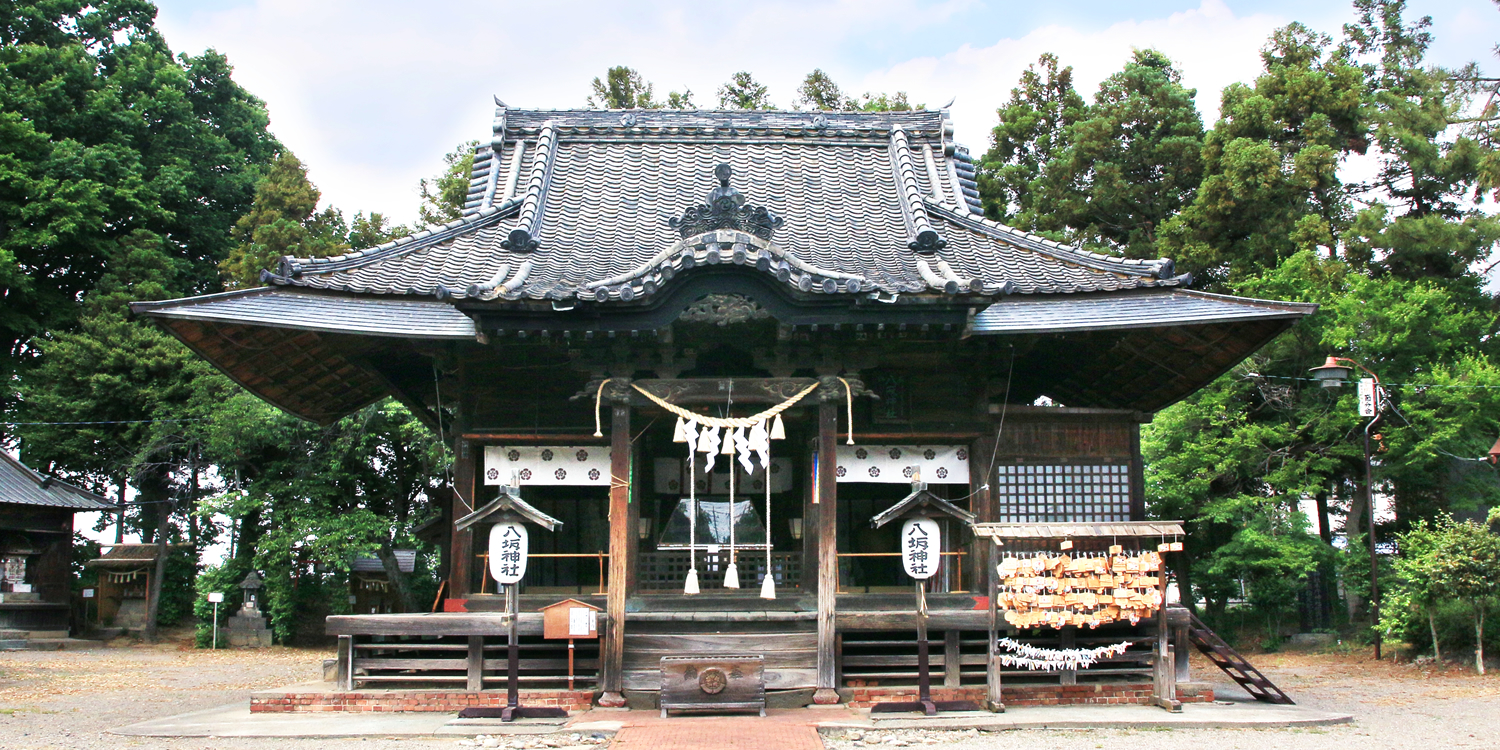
{"type": "Point", "coordinates": [619, 276]}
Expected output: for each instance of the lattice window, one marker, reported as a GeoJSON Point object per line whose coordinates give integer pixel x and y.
{"type": "Point", "coordinates": [1062, 493]}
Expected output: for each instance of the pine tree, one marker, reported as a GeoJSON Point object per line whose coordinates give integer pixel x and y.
{"type": "Point", "coordinates": [1032, 131]}
{"type": "Point", "coordinates": [1271, 185]}
{"type": "Point", "coordinates": [744, 92]}
{"type": "Point", "coordinates": [819, 92]}
{"type": "Point", "coordinates": [622, 88]}
{"type": "Point", "coordinates": [1131, 162]}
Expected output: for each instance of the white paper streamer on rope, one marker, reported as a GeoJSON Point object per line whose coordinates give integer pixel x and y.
{"type": "Point", "coordinates": [1031, 657]}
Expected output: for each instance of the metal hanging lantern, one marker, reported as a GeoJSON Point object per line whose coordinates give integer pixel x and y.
{"type": "Point", "coordinates": [1331, 374]}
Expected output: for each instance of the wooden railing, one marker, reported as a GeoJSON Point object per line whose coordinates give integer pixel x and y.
{"type": "Point", "coordinates": [665, 571]}
{"type": "Point", "coordinates": [484, 563]}
{"type": "Point", "coordinates": [957, 570]}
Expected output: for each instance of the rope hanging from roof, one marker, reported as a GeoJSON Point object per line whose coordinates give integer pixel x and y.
{"type": "Point", "coordinates": [729, 422]}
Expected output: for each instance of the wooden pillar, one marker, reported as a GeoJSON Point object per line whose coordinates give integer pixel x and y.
{"type": "Point", "coordinates": [621, 536]}
{"type": "Point", "coordinates": [475, 664]}
{"type": "Point", "coordinates": [952, 659]}
{"type": "Point", "coordinates": [1137, 478]}
{"type": "Point", "coordinates": [1068, 638]}
{"type": "Point", "coordinates": [828, 563]}
{"type": "Point", "coordinates": [346, 662]}
{"type": "Point", "coordinates": [461, 552]}
{"type": "Point", "coordinates": [994, 698]}
{"type": "Point", "coordinates": [1164, 665]}
{"type": "Point", "coordinates": [985, 506]}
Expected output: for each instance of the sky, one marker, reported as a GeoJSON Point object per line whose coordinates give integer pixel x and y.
{"type": "Point", "coordinates": [371, 94]}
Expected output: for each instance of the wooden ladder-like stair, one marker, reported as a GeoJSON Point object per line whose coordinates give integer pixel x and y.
{"type": "Point", "coordinates": [1226, 658]}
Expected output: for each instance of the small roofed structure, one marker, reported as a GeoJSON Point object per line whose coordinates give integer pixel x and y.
{"type": "Point", "coordinates": [508, 505]}
{"type": "Point", "coordinates": [126, 573]}
{"type": "Point", "coordinates": [921, 502]}
{"type": "Point", "coordinates": [370, 584]}
{"type": "Point", "coordinates": [36, 547]}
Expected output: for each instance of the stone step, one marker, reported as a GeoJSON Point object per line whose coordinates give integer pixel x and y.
{"type": "Point", "coordinates": [12, 644]}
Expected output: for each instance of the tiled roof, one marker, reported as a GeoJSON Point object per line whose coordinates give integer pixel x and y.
{"type": "Point", "coordinates": [406, 560]}
{"type": "Point", "coordinates": [316, 311]}
{"type": "Point", "coordinates": [870, 203]}
{"type": "Point", "coordinates": [1139, 310]}
{"type": "Point", "coordinates": [22, 485]}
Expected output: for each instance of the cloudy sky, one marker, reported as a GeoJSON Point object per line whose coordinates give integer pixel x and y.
{"type": "Point", "coordinates": [371, 94]}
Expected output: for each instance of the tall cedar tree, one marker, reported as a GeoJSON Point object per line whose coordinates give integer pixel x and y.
{"type": "Point", "coordinates": [1131, 162]}
{"type": "Point", "coordinates": [819, 92]}
{"type": "Point", "coordinates": [283, 221]}
{"type": "Point", "coordinates": [744, 92]}
{"type": "Point", "coordinates": [1271, 186]}
{"type": "Point", "coordinates": [1032, 132]}
{"type": "Point", "coordinates": [443, 196]}
{"type": "Point", "coordinates": [102, 134]}
{"type": "Point", "coordinates": [625, 88]}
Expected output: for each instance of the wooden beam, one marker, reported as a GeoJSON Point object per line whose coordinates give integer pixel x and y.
{"type": "Point", "coordinates": [346, 662]}
{"type": "Point", "coordinates": [620, 537]}
{"type": "Point", "coordinates": [828, 563]}
{"type": "Point", "coordinates": [526, 438]}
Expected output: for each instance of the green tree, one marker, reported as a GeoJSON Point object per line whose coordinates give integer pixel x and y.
{"type": "Point", "coordinates": [1032, 132]}
{"type": "Point", "coordinates": [1131, 162]}
{"type": "Point", "coordinates": [819, 92]}
{"type": "Point", "coordinates": [622, 88]}
{"type": "Point", "coordinates": [1271, 185]}
{"type": "Point", "coordinates": [744, 92]}
{"type": "Point", "coordinates": [283, 221]}
{"type": "Point", "coordinates": [1465, 561]}
{"type": "Point", "coordinates": [443, 196]}
{"type": "Point", "coordinates": [103, 133]}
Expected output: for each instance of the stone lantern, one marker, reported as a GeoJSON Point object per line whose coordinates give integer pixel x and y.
{"type": "Point", "coordinates": [250, 588]}
{"type": "Point", "coordinates": [248, 628]}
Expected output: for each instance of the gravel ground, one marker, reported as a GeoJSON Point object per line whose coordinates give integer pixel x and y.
{"type": "Point", "coordinates": [1394, 706]}
{"type": "Point", "coordinates": [68, 699]}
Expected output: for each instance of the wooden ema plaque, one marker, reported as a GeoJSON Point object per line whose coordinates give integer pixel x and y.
{"type": "Point", "coordinates": [569, 620]}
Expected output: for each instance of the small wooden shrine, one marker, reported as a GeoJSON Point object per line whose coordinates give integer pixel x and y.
{"type": "Point", "coordinates": [714, 345]}
{"type": "Point", "coordinates": [36, 550]}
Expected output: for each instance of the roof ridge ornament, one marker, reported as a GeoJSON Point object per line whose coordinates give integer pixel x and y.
{"type": "Point", "coordinates": [726, 209]}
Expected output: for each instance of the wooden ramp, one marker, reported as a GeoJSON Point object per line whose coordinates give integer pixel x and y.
{"type": "Point", "coordinates": [1233, 664]}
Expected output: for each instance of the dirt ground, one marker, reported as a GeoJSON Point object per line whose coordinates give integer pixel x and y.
{"type": "Point", "coordinates": [69, 699]}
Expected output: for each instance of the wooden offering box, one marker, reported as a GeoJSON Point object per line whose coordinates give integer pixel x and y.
{"type": "Point", "coordinates": [728, 682]}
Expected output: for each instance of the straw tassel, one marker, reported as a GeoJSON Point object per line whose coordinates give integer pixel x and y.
{"type": "Point", "coordinates": [691, 586]}
{"type": "Point", "coordinates": [732, 576]}
{"type": "Point", "coordinates": [768, 587]}
{"type": "Point", "coordinates": [778, 432]}
{"type": "Point", "coordinates": [679, 432]}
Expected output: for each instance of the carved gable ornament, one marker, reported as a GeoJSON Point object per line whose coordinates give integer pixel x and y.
{"type": "Point", "coordinates": [724, 309]}
{"type": "Point", "coordinates": [726, 209]}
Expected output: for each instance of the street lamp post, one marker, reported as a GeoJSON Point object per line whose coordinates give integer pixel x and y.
{"type": "Point", "coordinates": [1332, 374]}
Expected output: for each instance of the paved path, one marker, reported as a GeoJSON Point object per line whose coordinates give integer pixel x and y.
{"type": "Point", "coordinates": [791, 729]}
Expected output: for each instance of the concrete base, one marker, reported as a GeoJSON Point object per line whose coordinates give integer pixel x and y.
{"type": "Point", "coordinates": [236, 721]}
{"type": "Point", "coordinates": [247, 631]}
{"type": "Point", "coordinates": [1193, 716]}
